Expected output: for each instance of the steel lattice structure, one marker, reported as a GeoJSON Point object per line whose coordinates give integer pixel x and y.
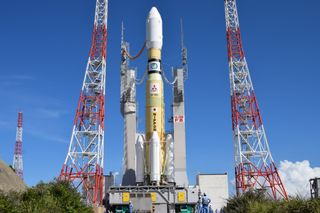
{"type": "Point", "coordinates": [254, 165]}
{"type": "Point", "coordinates": [84, 162]}
{"type": "Point", "coordinates": [17, 158]}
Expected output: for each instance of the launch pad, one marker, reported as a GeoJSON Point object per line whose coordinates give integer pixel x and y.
{"type": "Point", "coordinates": [163, 198]}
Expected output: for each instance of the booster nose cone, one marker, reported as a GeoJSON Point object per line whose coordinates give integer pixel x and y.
{"type": "Point", "coordinates": [139, 142]}
{"type": "Point", "coordinates": [154, 29]}
{"type": "Point", "coordinates": [155, 137]}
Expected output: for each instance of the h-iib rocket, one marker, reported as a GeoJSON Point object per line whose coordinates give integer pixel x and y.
{"type": "Point", "coordinates": [155, 149]}
{"type": "Point", "coordinates": [152, 157]}
{"type": "Point", "coordinates": [154, 163]}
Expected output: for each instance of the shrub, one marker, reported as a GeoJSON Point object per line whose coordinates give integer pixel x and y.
{"type": "Point", "coordinates": [53, 197]}
{"type": "Point", "coordinates": [258, 202]}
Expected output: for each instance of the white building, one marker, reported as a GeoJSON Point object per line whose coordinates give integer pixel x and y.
{"type": "Point", "coordinates": [216, 188]}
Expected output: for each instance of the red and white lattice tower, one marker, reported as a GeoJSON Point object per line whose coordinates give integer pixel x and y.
{"type": "Point", "coordinates": [254, 166]}
{"type": "Point", "coordinates": [84, 162]}
{"type": "Point", "coordinates": [17, 158]}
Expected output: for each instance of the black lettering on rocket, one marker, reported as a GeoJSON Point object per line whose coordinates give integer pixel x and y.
{"type": "Point", "coordinates": [154, 122]}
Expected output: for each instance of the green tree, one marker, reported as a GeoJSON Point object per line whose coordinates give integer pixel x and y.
{"type": "Point", "coordinates": [53, 197]}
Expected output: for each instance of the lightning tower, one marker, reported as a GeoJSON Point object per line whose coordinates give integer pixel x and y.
{"type": "Point", "coordinates": [83, 165]}
{"type": "Point", "coordinates": [17, 158]}
{"type": "Point", "coordinates": [254, 165]}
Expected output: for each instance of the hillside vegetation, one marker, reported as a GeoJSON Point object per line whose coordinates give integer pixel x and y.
{"type": "Point", "coordinates": [53, 197]}
{"type": "Point", "coordinates": [258, 202]}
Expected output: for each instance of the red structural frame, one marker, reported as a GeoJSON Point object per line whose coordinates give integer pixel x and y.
{"type": "Point", "coordinates": [245, 111]}
{"type": "Point", "coordinates": [92, 181]}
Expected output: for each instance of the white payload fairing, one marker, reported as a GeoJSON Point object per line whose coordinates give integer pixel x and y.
{"type": "Point", "coordinates": [154, 37]}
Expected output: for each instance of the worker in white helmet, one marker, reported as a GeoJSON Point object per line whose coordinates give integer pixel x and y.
{"type": "Point", "coordinates": [205, 203]}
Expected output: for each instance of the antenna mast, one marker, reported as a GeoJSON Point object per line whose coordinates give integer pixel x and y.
{"type": "Point", "coordinates": [17, 158]}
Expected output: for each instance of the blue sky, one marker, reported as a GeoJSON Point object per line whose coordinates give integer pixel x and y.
{"type": "Point", "coordinates": [44, 50]}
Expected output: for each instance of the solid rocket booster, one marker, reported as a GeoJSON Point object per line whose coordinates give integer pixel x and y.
{"type": "Point", "coordinates": [155, 158]}
{"type": "Point", "coordinates": [139, 160]}
{"type": "Point", "coordinates": [170, 159]}
{"type": "Point", "coordinates": [154, 95]}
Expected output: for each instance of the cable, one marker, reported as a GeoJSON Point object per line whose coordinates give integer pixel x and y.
{"type": "Point", "coordinates": [138, 82]}
{"type": "Point", "coordinates": [138, 55]}
{"type": "Point", "coordinates": [166, 80]}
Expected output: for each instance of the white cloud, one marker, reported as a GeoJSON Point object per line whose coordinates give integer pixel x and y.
{"type": "Point", "coordinates": [51, 113]}
{"type": "Point", "coordinates": [296, 175]}
{"type": "Point", "coordinates": [15, 80]}
{"type": "Point", "coordinates": [46, 136]}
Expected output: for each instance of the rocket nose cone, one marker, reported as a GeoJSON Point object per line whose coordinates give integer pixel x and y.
{"type": "Point", "coordinates": [139, 142]}
{"type": "Point", "coordinates": [154, 29]}
{"type": "Point", "coordinates": [154, 13]}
